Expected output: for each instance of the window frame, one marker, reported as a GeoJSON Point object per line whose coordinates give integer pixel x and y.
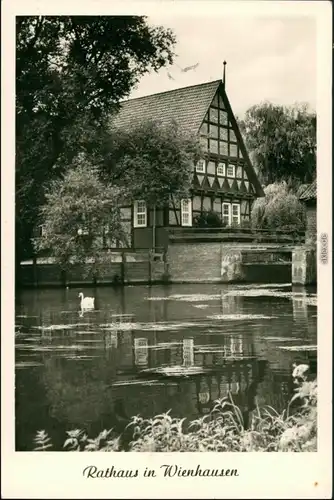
{"type": "Point", "coordinates": [200, 163]}
{"type": "Point", "coordinates": [230, 165]}
{"type": "Point", "coordinates": [238, 205]}
{"type": "Point", "coordinates": [230, 216]}
{"type": "Point", "coordinates": [136, 213]}
{"type": "Point", "coordinates": [223, 165]}
{"type": "Point", "coordinates": [227, 204]}
{"type": "Point", "coordinates": [187, 212]}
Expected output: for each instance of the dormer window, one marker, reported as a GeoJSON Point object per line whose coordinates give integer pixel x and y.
{"type": "Point", "coordinates": [230, 171]}
{"type": "Point", "coordinates": [200, 167]}
{"type": "Point", "coordinates": [221, 169]}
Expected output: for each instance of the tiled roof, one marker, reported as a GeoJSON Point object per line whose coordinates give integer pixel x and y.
{"type": "Point", "coordinates": [187, 106]}
{"type": "Point", "coordinates": [301, 189]}
{"type": "Point", "coordinates": [310, 192]}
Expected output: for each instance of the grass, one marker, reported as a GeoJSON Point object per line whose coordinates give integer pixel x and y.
{"type": "Point", "coordinates": [222, 429]}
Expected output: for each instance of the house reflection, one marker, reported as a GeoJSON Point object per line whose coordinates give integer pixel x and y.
{"type": "Point", "coordinates": [231, 304]}
{"type": "Point", "coordinates": [111, 340]}
{"type": "Point", "coordinates": [300, 305]}
{"type": "Point", "coordinates": [188, 352]}
{"type": "Point", "coordinates": [141, 351]}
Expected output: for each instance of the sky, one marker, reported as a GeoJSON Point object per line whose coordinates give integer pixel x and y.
{"type": "Point", "coordinates": [268, 59]}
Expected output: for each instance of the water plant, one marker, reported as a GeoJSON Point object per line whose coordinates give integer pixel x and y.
{"type": "Point", "coordinates": [223, 429]}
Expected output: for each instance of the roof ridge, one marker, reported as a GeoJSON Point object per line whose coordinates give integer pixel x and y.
{"type": "Point", "coordinates": [172, 90]}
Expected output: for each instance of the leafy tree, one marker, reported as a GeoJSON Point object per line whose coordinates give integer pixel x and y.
{"type": "Point", "coordinates": [279, 209]}
{"type": "Point", "coordinates": [79, 209]}
{"type": "Point", "coordinates": [71, 73]}
{"type": "Point", "coordinates": [153, 160]}
{"type": "Point", "coordinates": [282, 142]}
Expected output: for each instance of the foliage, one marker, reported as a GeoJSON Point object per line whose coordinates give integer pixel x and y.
{"type": "Point", "coordinates": [279, 209]}
{"type": "Point", "coordinates": [282, 142]}
{"type": "Point", "coordinates": [208, 219]}
{"type": "Point", "coordinates": [71, 73]}
{"type": "Point", "coordinates": [221, 430]}
{"type": "Point", "coordinates": [154, 160]}
{"type": "Point", "coordinates": [79, 207]}
{"type": "Point", "coordinates": [42, 441]}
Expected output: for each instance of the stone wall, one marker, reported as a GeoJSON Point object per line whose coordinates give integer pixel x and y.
{"type": "Point", "coordinates": [311, 224]}
{"type": "Point", "coordinates": [209, 262]}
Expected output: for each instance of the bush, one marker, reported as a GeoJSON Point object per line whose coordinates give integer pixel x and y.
{"type": "Point", "coordinates": [221, 430]}
{"type": "Point", "coordinates": [208, 219]}
{"type": "Point", "coordinates": [279, 209]}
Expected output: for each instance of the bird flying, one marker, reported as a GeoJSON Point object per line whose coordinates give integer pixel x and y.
{"type": "Point", "coordinates": [189, 68]}
{"type": "Point", "coordinates": [170, 76]}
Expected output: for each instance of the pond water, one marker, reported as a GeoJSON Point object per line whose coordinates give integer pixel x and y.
{"type": "Point", "coordinates": [145, 350]}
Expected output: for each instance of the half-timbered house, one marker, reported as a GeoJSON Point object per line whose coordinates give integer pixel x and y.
{"type": "Point", "coordinates": [224, 181]}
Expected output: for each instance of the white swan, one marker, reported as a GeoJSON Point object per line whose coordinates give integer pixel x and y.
{"type": "Point", "coordinates": [86, 302]}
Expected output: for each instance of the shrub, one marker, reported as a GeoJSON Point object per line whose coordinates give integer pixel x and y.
{"type": "Point", "coordinates": [208, 218]}
{"type": "Point", "coordinates": [279, 209]}
{"type": "Point", "coordinates": [221, 430]}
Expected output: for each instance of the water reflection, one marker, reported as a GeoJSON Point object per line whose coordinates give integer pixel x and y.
{"type": "Point", "coordinates": [145, 350]}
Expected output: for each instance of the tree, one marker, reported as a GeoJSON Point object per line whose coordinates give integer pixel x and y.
{"type": "Point", "coordinates": [79, 209]}
{"type": "Point", "coordinates": [153, 160]}
{"type": "Point", "coordinates": [279, 209]}
{"type": "Point", "coordinates": [282, 142]}
{"type": "Point", "coordinates": [71, 73]}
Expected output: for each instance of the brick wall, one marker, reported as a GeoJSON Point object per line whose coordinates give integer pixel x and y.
{"type": "Point", "coordinates": [194, 262]}
{"type": "Point", "coordinates": [205, 262]}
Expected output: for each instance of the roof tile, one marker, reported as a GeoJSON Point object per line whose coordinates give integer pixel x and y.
{"type": "Point", "coordinates": [310, 192]}
{"type": "Point", "coordinates": [187, 106]}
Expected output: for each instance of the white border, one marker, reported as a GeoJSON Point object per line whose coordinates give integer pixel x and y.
{"type": "Point", "coordinates": [59, 475]}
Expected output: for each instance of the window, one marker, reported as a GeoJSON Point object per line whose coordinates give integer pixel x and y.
{"type": "Point", "coordinates": [186, 215]}
{"type": "Point", "coordinates": [235, 213]}
{"type": "Point", "coordinates": [140, 214]}
{"type": "Point", "coordinates": [230, 171]}
{"type": "Point", "coordinates": [221, 169]}
{"type": "Point", "coordinates": [227, 213]}
{"type": "Point", "coordinates": [231, 213]}
{"type": "Point", "coordinates": [200, 167]}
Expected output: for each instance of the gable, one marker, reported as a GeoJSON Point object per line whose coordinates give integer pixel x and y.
{"type": "Point", "coordinates": [202, 109]}
{"type": "Point", "coordinates": [220, 136]}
